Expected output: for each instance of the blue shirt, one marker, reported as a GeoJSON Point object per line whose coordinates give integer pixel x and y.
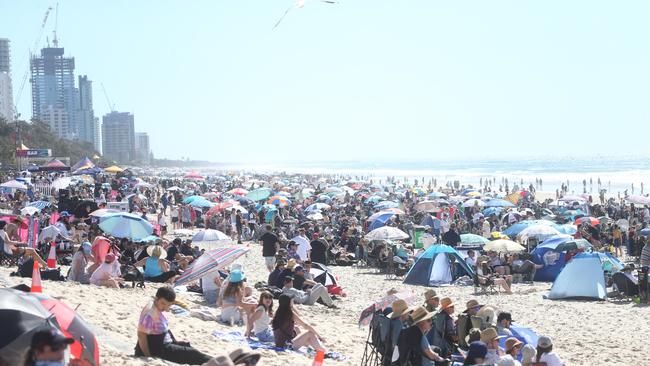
{"type": "Point", "coordinates": [152, 268]}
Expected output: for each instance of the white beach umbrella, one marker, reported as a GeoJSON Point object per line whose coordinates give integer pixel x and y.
{"type": "Point", "coordinates": [386, 233]}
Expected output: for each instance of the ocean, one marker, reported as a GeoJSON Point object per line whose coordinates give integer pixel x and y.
{"type": "Point", "coordinates": [616, 174]}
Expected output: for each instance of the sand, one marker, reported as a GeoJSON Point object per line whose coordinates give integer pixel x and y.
{"type": "Point", "coordinates": [584, 332]}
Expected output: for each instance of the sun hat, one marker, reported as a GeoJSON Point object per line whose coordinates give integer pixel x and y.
{"type": "Point", "coordinates": [239, 357]}
{"type": "Point", "coordinates": [487, 314]}
{"type": "Point", "coordinates": [110, 258]}
{"type": "Point", "coordinates": [291, 263]}
{"type": "Point", "coordinates": [236, 276]}
{"type": "Point", "coordinates": [528, 353]}
{"type": "Point", "coordinates": [506, 361]}
{"type": "Point", "coordinates": [477, 349]}
{"type": "Point", "coordinates": [471, 304]}
{"type": "Point", "coordinates": [511, 343]}
{"type": "Point", "coordinates": [420, 314]}
{"type": "Point", "coordinates": [544, 342]}
{"type": "Point", "coordinates": [155, 248]}
{"type": "Point", "coordinates": [430, 294]}
{"type": "Point", "coordinates": [400, 307]}
{"type": "Point", "coordinates": [489, 334]}
{"type": "Point", "coordinates": [220, 361]}
{"type": "Point", "coordinates": [446, 303]}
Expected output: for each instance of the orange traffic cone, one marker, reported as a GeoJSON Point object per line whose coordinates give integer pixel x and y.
{"type": "Point", "coordinates": [318, 360]}
{"type": "Point", "coordinates": [36, 279]}
{"type": "Point", "coordinates": [51, 258]}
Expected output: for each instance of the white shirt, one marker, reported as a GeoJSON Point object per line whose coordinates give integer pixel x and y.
{"type": "Point", "coordinates": [303, 247]}
{"type": "Point", "coordinates": [444, 226]}
{"type": "Point", "coordinates": [5, 238]}
{"type": "Point", "coordinates": [207, 281]}
{"type": "Point", "coordinates": [102, 273]}
{"type": "Point", "coordinates": [263, 322]}
{"type": "Point", "coordinates": [551, 359]}
{"type": "Point", "coordinates": [486, 229]}
{"type": "Point", "coordinates": [470, 261]}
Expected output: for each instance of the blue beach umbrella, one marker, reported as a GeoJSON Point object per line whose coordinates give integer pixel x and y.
{"type": "Point", "coordinates": [259, 194]}
{"type": "Point", "coordinates": [202, 203]}
{"type": "Point", "coordinates": [125, 225]}
{"type": "Point", "coordinates": [498, 203]}
{"type": "Point", "coordinates": [191, 199]}
{"type": "Point", "coordinates": [386, 204]}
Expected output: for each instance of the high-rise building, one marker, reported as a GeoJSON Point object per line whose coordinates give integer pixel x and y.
{"type": "Point", "coordinates": [88, 124]}
{"type": "Point", "coordinates": [142, 148]}
{"type": "Point", "coordinates": [118, 137]}
{"type": "Point", "coordinates": [54, 97]}
{"type": "Point", "coordinates": [6, 89]}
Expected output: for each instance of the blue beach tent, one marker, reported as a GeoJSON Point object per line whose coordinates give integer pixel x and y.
{"type": "Point", "coordinates": [553, 260]}
{"type": "Point", "coordinates": [433, 268]}
{"type": "Point", "coordinates": [584, 277]}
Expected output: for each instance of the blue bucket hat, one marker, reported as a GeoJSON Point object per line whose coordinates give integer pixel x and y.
{"type": "Point", "coordinates": [86, 247]}
{"type": "Point", "coordinates": [236, 276]}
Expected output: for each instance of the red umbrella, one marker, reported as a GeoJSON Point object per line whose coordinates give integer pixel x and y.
{"type": "Point", "coordinates": [72, 325]}
{"type": "Point", "coordinates": [588, 219]}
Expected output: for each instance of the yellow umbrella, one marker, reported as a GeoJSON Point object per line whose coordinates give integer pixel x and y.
{"type": "Point", "coordinates": [113, 169]}
{"type": "Point", "coordinates": [503, 245]}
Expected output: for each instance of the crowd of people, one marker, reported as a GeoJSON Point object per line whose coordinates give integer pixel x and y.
{"type": "Point", "coordinates": [310, 220]}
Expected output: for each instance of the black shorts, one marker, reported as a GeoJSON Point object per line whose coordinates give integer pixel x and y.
{"type": "Point", "coordinates": [174, 219]}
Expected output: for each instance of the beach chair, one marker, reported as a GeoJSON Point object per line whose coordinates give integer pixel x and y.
{"type": "Point", "coordinates": [378, 341]}
{"type": "Point", "coordinates": [624, 286]}
{"type": "Point", "coordinates": [487, 288]}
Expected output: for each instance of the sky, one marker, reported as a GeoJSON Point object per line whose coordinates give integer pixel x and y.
{"type": "Point", "coordinates": [359, 79]}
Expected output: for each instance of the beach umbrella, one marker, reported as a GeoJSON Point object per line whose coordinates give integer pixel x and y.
{"type": "Point", "coordinates": [498, 203]}
{"type": "Point", "coordinates": [307, 192]}
{"type": "Point", "coordinates": [502, 246]}
{"type": "Point", "coordinates": [588, 219]}
{"type": "Point", "coordinates": [103, 211]}
{"type": "Point", "coordinates": [638, 200]}
{"type": "Point", "coordinates": [193, 175]}
{"type": "Point", "coordinates": [373, 199]}
{"type": "Point", "coordinates": [573, 244]}
{"type": "Point", "coordinates": [324, 198]}
{"type": "Point", "coordinates": [571, 198]}
{"type": "Point", "coordinates": [333, 189]}
{"type": "Point", "coordinates": [21, 315]}
{"type": "Point", "coordinates": [13, 184]}
{"type": "Point", "coordinates": [540, 232]}
{"type": "Point", "coordinates": [148, 239]}
{"type": "Point", "coordinates": [645, 232]}
{"type": "Point", "coordinates": [437, 195]}
{"type": "Point", "coordinates": [394, 210]}
{"type": "Point", "coordinates": [381, 215]}
{"type": "Point", "coordinates": [323, 275]}
{"type": "Point", "coordinates": [259, 194]}
{"type": "Point", "coordinates": [314, 207]}
{"type": "Point", "coordinates": [419, 191]}
{"type": "Point", "coordinates": [209, 235]}
{"type": "Point", "coordinates": [238, 191]}
{"type": "Point", "coordinates": [39, 204]}
{"type": "Point", "coordinates": [202, 203]}
{"type": "Point", "coordinates": [125, 225]}
{"type": "Point", "coordinates": [387, 233]}
{"type": "Point", "coordinates": [492, 211]}
{"type": "Point", "coordinates": [113, 169]}
{"type": "Point", "coordinates": [426, 206]}
{"type": "Point", "coordinates": [472, 239]}
{"type": "Point", "coordinates": [243, 200]}
{"type": "Point", "coordinates": [386, 204]}
{"type": "Point", "coordinates": [237, 208]}
{"type": "Point", "coordinates": [381, 304]}
{"type": "Point", "coordinates": [555, 240]}
{"type": "Point", "coordinates": [74, 326]}
{"type": "Point", "coordinates": [567, 229]}
{"type": "Point", "coordinates": [279, 201]}
{"type": "Point", "coordinates": [62, 183]}
{"type": "Point", "coordinates": [267, 206]}
{"type": "Point", "coordinates": [473, 202]}
{"type": "Point", "coordinates": [29, 210]}
{"type": "Point", "coordinates": [174, 189]}
{"type": "Point", "coordinates": [190, 199]}
{"type": "Point", "coordinates": [212, 260]}
{"type": "Point", "coordinates": [473, 194]}
{"type": "Point", "coordinates": [317, 216]}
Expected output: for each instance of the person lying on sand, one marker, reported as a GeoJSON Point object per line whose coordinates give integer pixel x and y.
{"type": "Point", "coordinates": [309, 297]}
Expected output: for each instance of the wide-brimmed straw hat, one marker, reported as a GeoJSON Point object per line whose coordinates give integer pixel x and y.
{"type": "Point", "coordinates": [489, 334]}
{"type": "Point", "coordinates": [400, 307]}
{"type": "Point", "coordinates": [152, 248]}
{"type": "Point", "coordinates": [430, 294]}
{"type": "Point", "coordinates": [471, 304]}
{"type": "Point", "coordinates": [446, 303]}
{"type": "Point", "coordinates": [240, 357]}
{"type": "Point", "coordinates": [511, 343]}
{"type": "Point", "coordinates": [421, 314]}
{"type": "Point", "coordinates": [220, 361]}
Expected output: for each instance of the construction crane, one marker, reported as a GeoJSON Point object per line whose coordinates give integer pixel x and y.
{"type": "Point", "coordinates": [33, 49]}
{"type": "Point", "coordinates": [111, 106]}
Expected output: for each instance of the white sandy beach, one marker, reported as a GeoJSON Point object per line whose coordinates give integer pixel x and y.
{"type": "Point", "coordinates": [584, 332]}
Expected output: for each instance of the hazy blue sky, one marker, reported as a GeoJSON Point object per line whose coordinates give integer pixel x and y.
{"type": "Point", "coordinates": [360, 79]}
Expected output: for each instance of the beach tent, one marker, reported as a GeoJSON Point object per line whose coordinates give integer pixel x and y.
{"type": "Point", "coordinates": [54, 165]}
{"type": "Point", "coordinates": [583, 277]}
{"type": "Point", "coordinates": [113, 169]}
{"type": "Point", "coordinates": [547, 255]}
{"type": "Point", "coordinates": [433, 268]}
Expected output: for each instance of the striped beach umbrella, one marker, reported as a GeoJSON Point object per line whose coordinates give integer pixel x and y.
{"type": "Point", "coordinates": [279, 201]}
{"type": "Point", "coordinates": [210, 261]}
